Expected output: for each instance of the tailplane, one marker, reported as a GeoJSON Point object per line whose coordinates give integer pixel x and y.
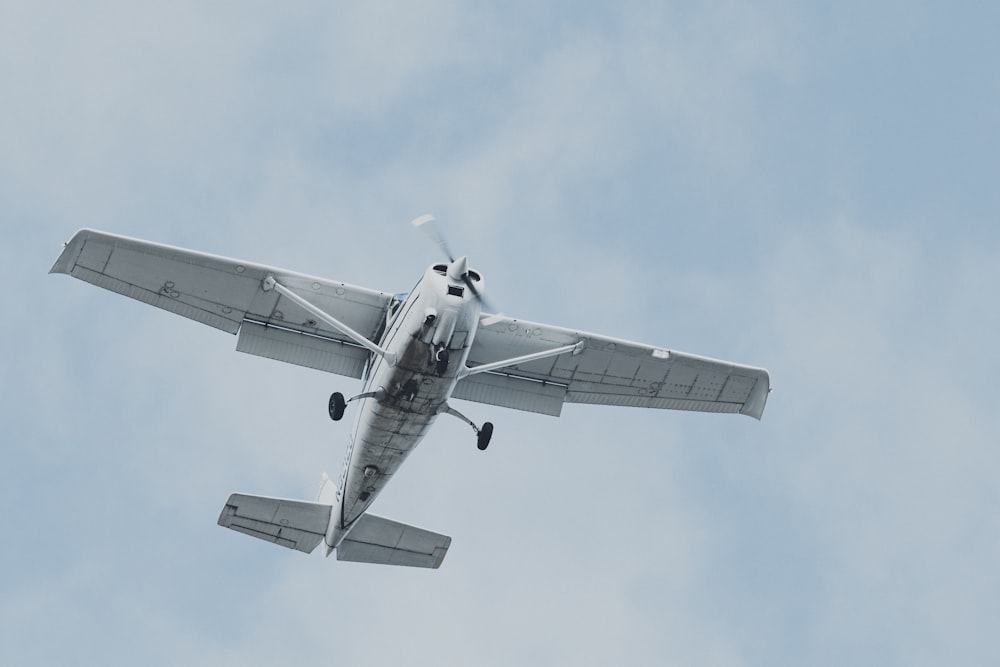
{"type": "Point", "coordinates": [295, 524]}
{"type": "Point", "coordinates": [377, 540]}
{"type": "Point", "coordinates": [302, 525]}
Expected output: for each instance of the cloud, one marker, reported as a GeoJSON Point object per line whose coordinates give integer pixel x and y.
{"type": "Point", "coordinates": [611, 170]}
{"type": "Point", "coordinates": [891, 473]}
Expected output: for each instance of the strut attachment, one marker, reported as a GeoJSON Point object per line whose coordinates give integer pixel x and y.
{"type": "Point", "coordinates": [575, 348]}
{"type": "Point", "coordinates": [270, 283]}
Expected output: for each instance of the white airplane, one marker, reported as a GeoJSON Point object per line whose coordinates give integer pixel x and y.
{"type": "Point", "coordinates": [415, 352]}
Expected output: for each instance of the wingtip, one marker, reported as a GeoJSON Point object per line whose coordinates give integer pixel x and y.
{"type": "Point", "coordinates": [61, 264]}
{"type": "Point", "coordinates": [754, 407]}
{"type": "Point", "coordinates": [70, 249]}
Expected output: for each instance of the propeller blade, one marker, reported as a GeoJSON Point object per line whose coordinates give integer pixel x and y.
{"type": "Point", "coordinates": [477, 294]}
{"type": "Point", "coordinates": [427, 224]}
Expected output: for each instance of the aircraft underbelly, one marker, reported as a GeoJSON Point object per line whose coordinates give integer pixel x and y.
{"type": "Point", "coordinates": [388, 431]}
{"type": "Point", "coordinates": [414, 391]}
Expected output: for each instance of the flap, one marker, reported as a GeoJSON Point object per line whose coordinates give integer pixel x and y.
{"type": "Point", "coordinates": [508, 391]}
{"type": "Point", "coordinates": [294, 347]}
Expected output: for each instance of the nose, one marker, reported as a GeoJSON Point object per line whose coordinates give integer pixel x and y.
{"type": "Point", "coordinates": [458, 268]}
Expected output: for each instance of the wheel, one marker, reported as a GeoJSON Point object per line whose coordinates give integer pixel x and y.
{"type": "Point", "coordinates": [337, 406]}
{"type": "Point", "coordinates": [485, 433]}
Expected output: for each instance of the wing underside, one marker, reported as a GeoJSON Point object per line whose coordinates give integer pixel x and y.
{"type": "Point", "coordinates": [607, 371]}
{"type": "Point", "coordinates": [228, 294]}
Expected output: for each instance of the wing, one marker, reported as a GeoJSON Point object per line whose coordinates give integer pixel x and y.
{"type": "Point", "coordinates": [607, 371]}
{"type": "Point", "coordinates": [227, 294]}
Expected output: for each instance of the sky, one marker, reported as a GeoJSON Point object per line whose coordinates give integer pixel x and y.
{"type": "Point", "coordinates": [805, 187]}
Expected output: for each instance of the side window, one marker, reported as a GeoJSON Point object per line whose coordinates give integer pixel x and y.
{"type": "Point", "coordinates": [397, 301]}
{"type": "Point", "coordinates": [392, 312]}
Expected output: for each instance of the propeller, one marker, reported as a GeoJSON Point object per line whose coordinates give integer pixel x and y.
{"type": "Point", "coordinates": [428, 225]}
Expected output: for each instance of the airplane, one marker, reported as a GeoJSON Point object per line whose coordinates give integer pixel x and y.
{"type": "Point", "coordinates": [415, 352]}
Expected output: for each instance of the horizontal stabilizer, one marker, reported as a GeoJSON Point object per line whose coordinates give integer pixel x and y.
{"type": "Point", "coordinates": [385, 542]}
{"type": "Point", "coordinates": [295, 524]}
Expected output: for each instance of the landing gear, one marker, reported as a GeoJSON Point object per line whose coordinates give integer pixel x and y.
{"type": "Point", "coordinates": [483, 436]}
{"type": "Point", "coordinates": [337, 406]}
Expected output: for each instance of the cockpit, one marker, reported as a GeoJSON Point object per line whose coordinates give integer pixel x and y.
{"type": "Point", "coordinates": [397, 301]}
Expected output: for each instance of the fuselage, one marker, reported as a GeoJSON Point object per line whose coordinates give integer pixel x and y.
{"type": "Point", "coordinates": [427, 340]}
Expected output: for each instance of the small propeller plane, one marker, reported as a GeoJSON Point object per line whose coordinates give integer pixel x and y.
{"type": "Point", "coordinates": [414, 352]}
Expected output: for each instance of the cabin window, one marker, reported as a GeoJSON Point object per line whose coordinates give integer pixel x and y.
{"type": "Point", "coordinates": [454, 290]}
{"type": "Point", "coordinates": [397, 301]}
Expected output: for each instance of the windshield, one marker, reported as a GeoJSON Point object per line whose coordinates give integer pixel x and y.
{"type": "Point", "coordinates": [397, 301]}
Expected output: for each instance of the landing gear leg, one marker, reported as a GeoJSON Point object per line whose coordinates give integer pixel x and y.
{"type": "Point", "coordinates": [338, 404]}
{"type": "Point", "coordinates": [483, 435]}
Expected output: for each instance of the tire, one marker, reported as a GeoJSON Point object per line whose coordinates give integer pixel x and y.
{"type": "Point", "coordinates": [485, 434]}
{"type": "Point", "coordinates": [337, 406]}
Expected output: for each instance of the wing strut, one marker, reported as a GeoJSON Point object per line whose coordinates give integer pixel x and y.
{"type": "Point", "coordinates": [270, 283]}
{"type": "Point", "coordinates": [575, 348]}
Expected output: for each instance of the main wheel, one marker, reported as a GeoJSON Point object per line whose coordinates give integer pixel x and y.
{"type": "Point", "coordinates": [337, 406]}
{"type": "Point", "coordinates": [485, 433]}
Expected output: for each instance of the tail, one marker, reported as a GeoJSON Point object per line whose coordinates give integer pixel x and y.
{"type": "Point", "coordinates": [295, 524]}
{"type": "Point", "coordinates": [327, 493]}
{"type": "Point", "coordinates": [302, 525]}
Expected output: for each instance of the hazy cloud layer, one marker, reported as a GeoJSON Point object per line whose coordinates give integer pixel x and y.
{"type": "Point", "coordinates": [809, 190]}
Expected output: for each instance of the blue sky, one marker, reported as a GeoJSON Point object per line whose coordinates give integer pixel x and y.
{"type": "Point", "coordinates": [811, 189]}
